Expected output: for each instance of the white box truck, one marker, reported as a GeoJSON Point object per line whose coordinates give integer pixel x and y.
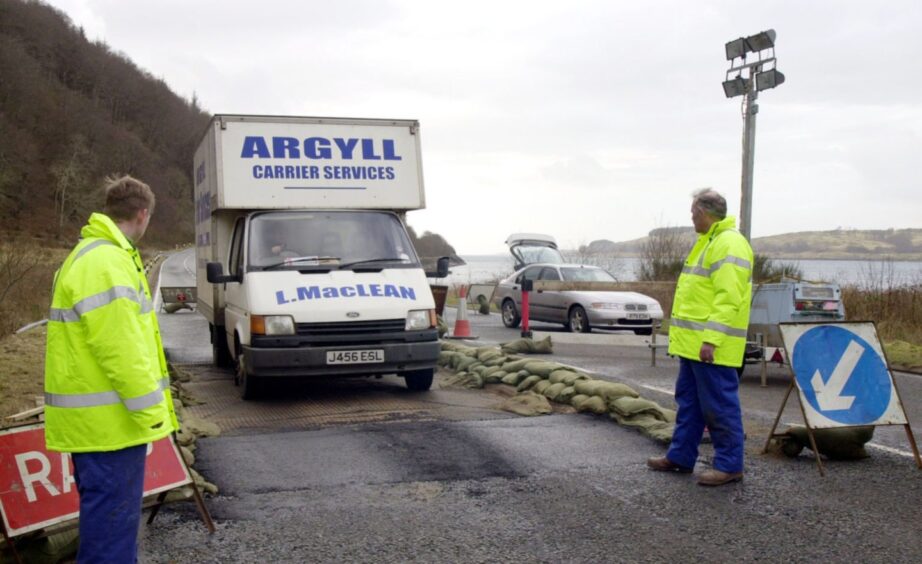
{"type": "Point", "coordinates": [303, 263]}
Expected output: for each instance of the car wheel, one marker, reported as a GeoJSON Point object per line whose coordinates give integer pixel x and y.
{"type": "Point", "coordinates": [419, 380]}
{"type": "Point", "coordinates": [578, 320]}
{"type": "Point", "coordinates": [511, 317]}
{"type": "Point", "coordinates": [647, 331]}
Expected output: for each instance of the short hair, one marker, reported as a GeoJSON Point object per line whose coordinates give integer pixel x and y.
{"type": "Point", "coordinates": [126, 196]}
{"type": "Point", "coordinates": [711, 202]}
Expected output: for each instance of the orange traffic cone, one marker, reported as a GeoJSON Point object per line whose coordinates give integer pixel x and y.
{"type": "Point", "coordinates": [462, 325]}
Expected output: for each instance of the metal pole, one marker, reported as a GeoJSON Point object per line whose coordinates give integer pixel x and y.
{"type": "Point", "coordinates": [749, 146]}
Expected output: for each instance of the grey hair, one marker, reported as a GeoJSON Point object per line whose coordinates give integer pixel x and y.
{"type": "Point", "coordinates": [711, 202]}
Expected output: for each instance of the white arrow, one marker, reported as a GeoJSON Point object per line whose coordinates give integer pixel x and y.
{"type": "Point", "coordinates": [829, 394]}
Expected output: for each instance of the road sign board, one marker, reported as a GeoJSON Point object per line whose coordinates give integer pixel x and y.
{"type": "Point", "coordinates": [37, 487]}
{"type": "Point", "coordinates": [842, 375]}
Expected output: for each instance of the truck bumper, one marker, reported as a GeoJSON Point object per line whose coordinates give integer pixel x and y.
{"type": "Point", "coordinates": [312, 360]}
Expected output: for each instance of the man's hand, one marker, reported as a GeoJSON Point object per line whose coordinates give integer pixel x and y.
{"type": "Point", "coordinates": [706, 354]}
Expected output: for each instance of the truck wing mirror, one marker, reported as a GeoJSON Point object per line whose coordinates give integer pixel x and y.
{"type": "Point", "coordinates": [442, 267]}
{"type": "Point", "coordinates": [214, 273]}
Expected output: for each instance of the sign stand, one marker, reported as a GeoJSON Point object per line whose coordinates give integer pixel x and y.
{"type": "Point", "coordinates": [843, 379]}
{"type": "Point", "coordinates": [196, 493]}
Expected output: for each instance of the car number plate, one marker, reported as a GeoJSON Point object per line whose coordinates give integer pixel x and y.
{"type": "Point", "coordinates": [355, 357]}
{"type": "Point", "coordinates": [638, 316]}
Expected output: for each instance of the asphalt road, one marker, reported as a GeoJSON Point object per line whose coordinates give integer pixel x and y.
{"type": "Point", "coordinates": [367, 471]}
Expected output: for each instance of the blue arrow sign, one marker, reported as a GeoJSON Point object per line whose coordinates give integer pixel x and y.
{"type": "Point", "coordinates": [841, 375]}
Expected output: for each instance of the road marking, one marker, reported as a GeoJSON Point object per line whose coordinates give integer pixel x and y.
{"type": "Point", "coordinates": [656, 389]}
{"type": "Point", "coordinates": [829, 394]}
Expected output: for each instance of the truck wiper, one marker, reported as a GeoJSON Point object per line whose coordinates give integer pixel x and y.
{"type": "Point", "coordinates": [296, 260]}
{"type": "Point", "coordinates": [383, 259]}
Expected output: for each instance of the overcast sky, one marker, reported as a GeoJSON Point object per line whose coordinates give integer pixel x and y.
{"type": "Point", "coordinates": [583, 119]}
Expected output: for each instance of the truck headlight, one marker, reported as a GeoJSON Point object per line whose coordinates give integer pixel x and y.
{"type": "Point", "coordinates": [272, 325]}
{"type": "Point", "coordinates": [419, 319]}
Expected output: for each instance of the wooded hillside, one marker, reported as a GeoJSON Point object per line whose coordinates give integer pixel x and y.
{"type": "Point", "coordinates": [74, 111]}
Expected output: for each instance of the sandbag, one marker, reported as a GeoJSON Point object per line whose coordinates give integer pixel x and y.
{"type": "Point", "coordinates": [552, 391]}
{"type": "Point", "coordinates": [594, 404]}
{"type": "Point", "coordinates": [514, 378]}
{"type": "Point", "coordinates": [542, 367]}
{"type": "Point", "coordinates": [604, 388]}
{"type": "Point", "coordinates": [561, 376]}
{"type": "Point", "coordinates": [529, 346]}
{"type": "Point", "coordinates": [527, 383]}
{"type": "Point", "coordinates": [470, 380]}
{"type": "Point", "coordinates": [628, 407]}
{"type": "Point", "coordinates": [578, 399]}
{"type": "Point", "coordinates": [486, 353]}
{"type": "Point", "coordinates": [516, 365]}
{"type": "Point", "coordinates": [539, 387]}
{"type": "Point", "coordinates": [484, 305]}
{"type": "Point", "coordinates": [566, 394]}
{"type": "Point", "coordinates": [495, 377]}
{"type": "Point", "coordinates": [841, 443]}
{"type": "Point", "coordinates": [527, 403]}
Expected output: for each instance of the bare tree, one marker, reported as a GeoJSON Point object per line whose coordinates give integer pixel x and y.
{"type": "Point", "coordinates": [72, 181]}
{"type": "Point", "coordinates": [663, 253]}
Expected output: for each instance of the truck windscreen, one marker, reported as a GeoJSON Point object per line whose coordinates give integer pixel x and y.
{"type": "Point", "coordinates": [328, 240]}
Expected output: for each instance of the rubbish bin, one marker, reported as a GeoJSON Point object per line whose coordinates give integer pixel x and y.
{"type": "Point", "coordinates": [439, 293]}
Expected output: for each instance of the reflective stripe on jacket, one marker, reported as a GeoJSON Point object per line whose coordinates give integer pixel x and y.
{"type": "Point", "coordinates": [713, 296]}
{"type": "Point", "coordinates": [106, 379]}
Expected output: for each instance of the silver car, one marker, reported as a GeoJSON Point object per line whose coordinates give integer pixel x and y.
{"type": "Point", "coordinates": [579, 311]}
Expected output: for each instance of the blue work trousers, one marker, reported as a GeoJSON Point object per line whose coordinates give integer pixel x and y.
{"type": "Point", "coordinates": [111, 485]}
{"type": "Point", "coordinates": [707, 395]}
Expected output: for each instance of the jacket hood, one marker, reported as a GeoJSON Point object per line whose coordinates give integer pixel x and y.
{"type": "Point", "coordinates": [101, 226]}
{"type": "Point", "coordinates": [724, 224]}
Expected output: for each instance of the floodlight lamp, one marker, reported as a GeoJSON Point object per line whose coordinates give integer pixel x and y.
{"type": "Point", "coordinates": [761, 41]}
{"type": "Point", "coordinates": [736, 48]}
{"type": "Point", "coordinates": [735, 87]}
{"type": "Point", "coordinates": [769, 79]}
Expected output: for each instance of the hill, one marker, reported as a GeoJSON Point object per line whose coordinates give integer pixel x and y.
{"type": "Point", "coordinates": [74, 111]}
{"type": "Point", "coordinates": [843, 244]}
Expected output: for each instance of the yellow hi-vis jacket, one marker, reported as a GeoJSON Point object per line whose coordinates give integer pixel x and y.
{"type": "Point", "coordinates": [106, 380]}
{"type": "Point", "coordinates": [713, 296]}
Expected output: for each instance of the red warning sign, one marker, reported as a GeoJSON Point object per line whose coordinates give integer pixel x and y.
{"type": "Point", "coordinates": [37, 487]}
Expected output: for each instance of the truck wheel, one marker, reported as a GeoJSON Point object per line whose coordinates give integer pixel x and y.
{"type": "Point", "coordinates": [220, 353]}
{"type": "Point", "coordinates": [248, 386]}
{"type": "Point", "coordinates": [511, 317]}
{"type": "Point", "coordinates": [578, 321]}
{"type": "Point", "coordinates": [419, 380]}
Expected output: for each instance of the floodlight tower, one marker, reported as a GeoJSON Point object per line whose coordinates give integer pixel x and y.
{"type": "Point", "coordinates": [749, 78]}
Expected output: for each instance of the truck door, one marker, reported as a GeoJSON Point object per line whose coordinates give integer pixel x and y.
{"type": "Point", "coordinates": [236, 307]}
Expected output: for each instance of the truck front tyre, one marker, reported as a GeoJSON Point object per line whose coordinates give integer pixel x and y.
{"type": "Point", "coordinates": [419, 380]}
{"type": "Point", "coordinates": [248, 386]}
{"type": "Point", "coordinates": [220, 353]}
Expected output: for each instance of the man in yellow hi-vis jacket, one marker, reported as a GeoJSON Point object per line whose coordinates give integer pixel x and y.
{"type": "Point", "coordinates": [107, 392]}
{"type": "Point", "coordinates": [707, 331]}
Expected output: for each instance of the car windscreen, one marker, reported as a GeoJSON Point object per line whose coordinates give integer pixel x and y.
{"type": "Point", "coordinates": [578, 274]}
{"type": "Point", "coordinates": [531, 254]}
{"type": "Point", "coordinates": [329, 240]}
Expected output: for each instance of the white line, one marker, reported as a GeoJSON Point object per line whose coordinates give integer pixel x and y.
{"type": "Point", "coordinates": [892, 450]}
{"type": "Point", "coordinates": [656, 389]}
{"type": "Point", "coordinates": [158, 303]}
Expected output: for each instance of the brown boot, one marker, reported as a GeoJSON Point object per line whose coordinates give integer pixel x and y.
{"type": "Point", "coordinates": [718, 478]}
{"type": "Point", "coordinates": [663, 464]}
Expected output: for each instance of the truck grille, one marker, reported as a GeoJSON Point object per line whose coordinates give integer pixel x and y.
{"type": "Point", "coordinates": [351, 328]}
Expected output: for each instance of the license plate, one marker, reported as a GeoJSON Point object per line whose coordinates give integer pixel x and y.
{"type": "Point", "coordinates": [638, 316]}
{"type": "Point", "coordinates": [355, 357]}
